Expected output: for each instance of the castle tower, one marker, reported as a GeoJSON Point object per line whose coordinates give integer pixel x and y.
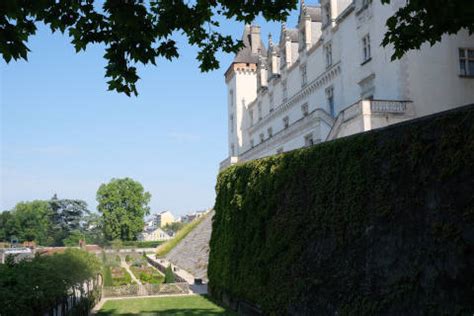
{"type": "Point", "coordinates": [241, 80]}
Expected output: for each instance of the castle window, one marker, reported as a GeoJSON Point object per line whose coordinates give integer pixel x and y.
{"type": "Point", "coordinates": [304, 109]}
{"type": "Point", "coordinates": [366, 54]}
{"type": "Point", "coordinates": [304, 76]}
{"type": "Point", "coordinates": [286, 121]}
{"type": "Point", "coordinates": [466, 62]}
{"type": "Point", "coordinates": [252, 143]}
{"type": "Point", "coordinates": [285, 91]}
{"type": "Point", "coordinates": [262, 137]}
{"type": "Point", "coordinates": [365, 4]}
{"type": "Point", "coordinates": [328, 54]}
{"type": "Point", "coordinates": [270, 132]}
{"type": "Point", "coordinates": [251, 117]}
{"type": "Point", "coordinates": [231, 123]}
{"type": "Point", "coordinates": [271, 103]}
{"type": "Point", "coordinates": [308, 140]}
{"type": "Point", "coordinates": [330, 100]}
{"type": "Point", "coordinates": [259, 111]}
{"type": "Point", "coordinates": [232, 150]}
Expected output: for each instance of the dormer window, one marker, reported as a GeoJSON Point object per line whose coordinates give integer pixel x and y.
{"type": "Point", "coordinates": [302, 40]}
{"type": "Point", "coordinates": [327, 14]}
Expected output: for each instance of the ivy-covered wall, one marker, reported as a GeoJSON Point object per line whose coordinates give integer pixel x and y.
{"type": "Point", "coordinates": [380, 223]}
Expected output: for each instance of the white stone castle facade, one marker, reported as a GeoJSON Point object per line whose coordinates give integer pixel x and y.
{"type": "Point", "coordinates": [329, 77]}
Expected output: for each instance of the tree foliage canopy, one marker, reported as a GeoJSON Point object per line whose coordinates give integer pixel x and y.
{"type": "Point", "coordinates": [33, 287]}
{"type": "Point", "coordinates": [132, 31]}
{"type": "Point", "coordinates": [123, 204]}
{"type": "Point", "coordinates": [421, 21]}
{"type": "Point", "coordinates": [141, 31]}
{"type": "Point", "coordinates": [53, 222]}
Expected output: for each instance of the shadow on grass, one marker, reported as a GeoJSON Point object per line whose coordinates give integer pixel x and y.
{"type": "Point", "coordinates": [169, 312]}
{"type": "Point", "coordinates": [175, 311]}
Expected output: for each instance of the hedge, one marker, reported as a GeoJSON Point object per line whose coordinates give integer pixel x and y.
{"type": "Point", "coordinates": [380, 223]}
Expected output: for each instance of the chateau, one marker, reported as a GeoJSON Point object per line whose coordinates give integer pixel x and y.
{"type": "Point", "coordinates": [330, 77]}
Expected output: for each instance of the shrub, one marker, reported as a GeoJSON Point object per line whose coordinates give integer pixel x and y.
{"type": "Point", "coordinates": [169, 275]}
{"type": "Point", "coordinates": [108, 281]}
{"type": "Point", "coordinates": [33, 287]}
{"type": "Point", "coordinates": [380, 223]}
{"type": "Point", "coordinates": [128, 258]}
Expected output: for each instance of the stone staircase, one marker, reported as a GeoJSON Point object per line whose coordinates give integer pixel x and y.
{"type": "Point", "coordinates": [192, 253]}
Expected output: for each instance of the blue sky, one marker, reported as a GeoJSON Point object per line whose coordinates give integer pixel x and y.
{"type": "Point", "coordinates": [63, 132]}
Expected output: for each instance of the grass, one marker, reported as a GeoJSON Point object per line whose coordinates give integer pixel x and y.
{"type": "Point", "coordinates": [165, 248]}
{"type": "Point", "coordinates": [192, 305]}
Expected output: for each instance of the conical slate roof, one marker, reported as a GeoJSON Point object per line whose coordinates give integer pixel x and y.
{"type": "Point", "coordinates": [245, 55]}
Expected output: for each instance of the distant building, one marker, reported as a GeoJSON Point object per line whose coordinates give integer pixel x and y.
{"type": "Point", "coordinates": [154, 234]}
{"type": "Point", "coordinates": [190, 217]}
{"type": "Point", "coordinates": [163, 219]}
{"type": "Point", "coordinates": [19, 253]}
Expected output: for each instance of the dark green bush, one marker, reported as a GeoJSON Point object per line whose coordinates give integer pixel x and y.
{"type": "Point", "coordinates": [108, 281]}
{"type": "Point", "coordinates": [169, 275]}
{"type": "Point", "coordinates": [380, 223]}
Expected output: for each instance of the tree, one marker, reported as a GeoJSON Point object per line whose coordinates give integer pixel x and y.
{"type": "Point", "coordinates": [123, 204]}
{"type": "Point", "coordinates": [29, 221]}
{"type": "Point", "coordinates": [132, 31]}
{"type": "Point", "coordinates": [92, 229]}
{"type": "Point", "coordinates": [5, 218]}
{"type": "Point", "coordinates": [67, 216]}
{"type": "Point", "coordinates": [422, 21]}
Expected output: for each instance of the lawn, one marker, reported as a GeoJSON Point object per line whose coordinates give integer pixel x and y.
{"type": "Point", "coordinates": [192, 305]}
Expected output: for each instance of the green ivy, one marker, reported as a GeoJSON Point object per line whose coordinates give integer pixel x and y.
{"type": "Point", "coordinates": [376, 223]}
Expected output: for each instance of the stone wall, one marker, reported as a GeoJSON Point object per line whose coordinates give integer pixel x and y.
{"type": "Point", "coordinates": [192, 253]}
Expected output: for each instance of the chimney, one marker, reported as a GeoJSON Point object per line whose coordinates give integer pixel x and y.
{"type": "Point", "coordinates": [255, 39]}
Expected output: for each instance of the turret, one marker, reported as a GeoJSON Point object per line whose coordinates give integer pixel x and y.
{"type": "Point", "coordinates": [241, 80]}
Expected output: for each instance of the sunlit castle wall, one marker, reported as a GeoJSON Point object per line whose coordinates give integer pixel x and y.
{"type": "Point", "coordinates": [330, 77]}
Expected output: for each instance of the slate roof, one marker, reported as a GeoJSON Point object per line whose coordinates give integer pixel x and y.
{"type": "Point", "coordinates": [245, 55]}
{"type": "Point", "coordinates": [314, 12]}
